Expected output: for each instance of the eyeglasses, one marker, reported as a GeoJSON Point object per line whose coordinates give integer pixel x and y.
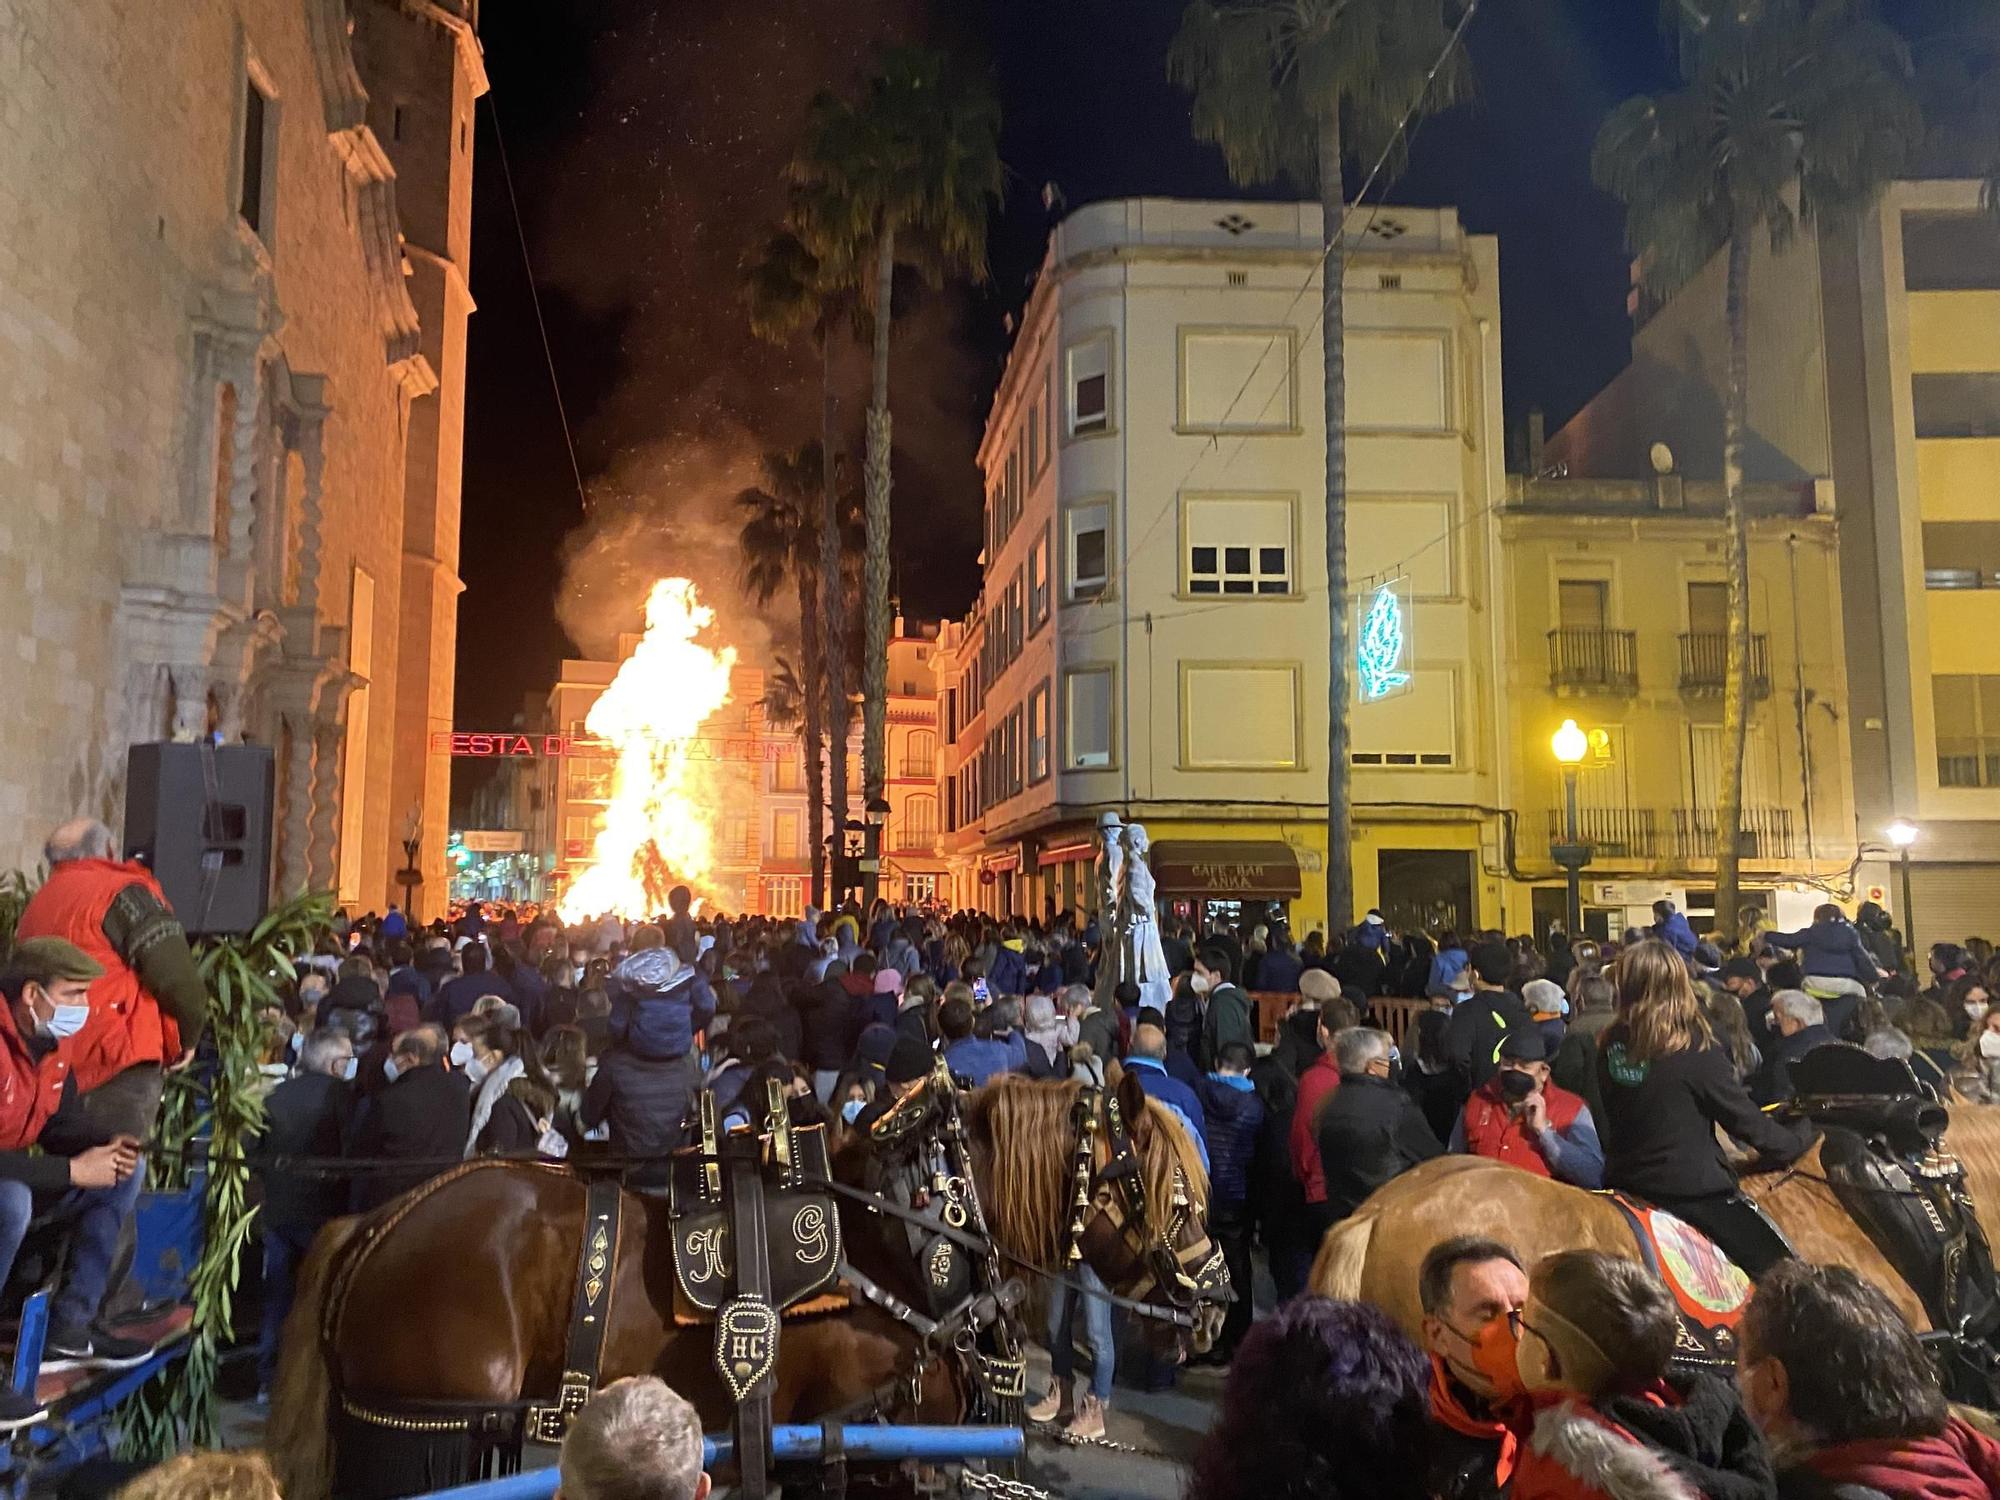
{"type": "Point", "coordinates": [1520, 1325]}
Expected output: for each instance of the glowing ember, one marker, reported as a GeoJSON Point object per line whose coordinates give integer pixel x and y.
{"type": "Point", "coordinates": [658, 829]}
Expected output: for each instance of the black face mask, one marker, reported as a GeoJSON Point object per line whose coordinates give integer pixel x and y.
{"type": "Point", "coordinates": [1516, 1086]}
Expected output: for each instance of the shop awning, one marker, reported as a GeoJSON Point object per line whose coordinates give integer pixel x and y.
{"type": "Point", "coordinates": [916, 864]}
{"type": "Point", "coordinates": [1071, 851]}
{"type": "Point", "coordinates": [1199, 867]}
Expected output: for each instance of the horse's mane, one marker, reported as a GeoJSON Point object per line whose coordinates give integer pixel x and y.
{"type": "Point", "coordinates": [1024, 1129]}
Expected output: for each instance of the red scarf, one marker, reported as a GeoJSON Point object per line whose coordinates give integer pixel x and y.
{"type": "Point", "coordinates": [1448, 1411]}
{"type": "Point", "coordinates": [1957, 1464]}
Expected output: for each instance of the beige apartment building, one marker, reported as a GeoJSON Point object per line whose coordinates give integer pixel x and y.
{"type": "Point", "coordinates": [233, 245]}
{"type": "Point", "coordinates": [1875, 362]}
{"type": "Point", "coordinates": [1615, 615]}
{"type": "Point", "coordinates": [1150, 637]}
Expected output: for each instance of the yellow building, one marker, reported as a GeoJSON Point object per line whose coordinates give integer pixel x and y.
{"type": "Point", "coordinates": [1875, 361]}
{"type": "Point", "coordinates": [1615, 616]}
{"type": "Point", "coordinates": [1151, 634]}
{"type": "Point", "coordinates": [912, 867]}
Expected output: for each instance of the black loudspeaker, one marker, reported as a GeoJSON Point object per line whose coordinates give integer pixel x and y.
{"type": "Point", "coordinates": [199, 817]}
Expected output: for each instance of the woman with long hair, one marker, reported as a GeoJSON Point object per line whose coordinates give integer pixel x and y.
{"type": "Point", "coordinates": [1667, 1082]}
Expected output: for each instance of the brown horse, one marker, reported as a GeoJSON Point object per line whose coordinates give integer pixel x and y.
{"type": "Point", "coordinates": [461, 1293]}
{"type": "Point", "coordinates": [1374, 1255]}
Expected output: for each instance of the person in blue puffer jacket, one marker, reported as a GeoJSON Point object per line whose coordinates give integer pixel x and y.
{"type": "Point", "coordinates": [1234, 1114]}
{"type": "Point", "coordinates": [641, 1086]}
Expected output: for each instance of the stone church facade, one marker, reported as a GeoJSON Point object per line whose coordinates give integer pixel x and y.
{"type": "Point", "coordinates": [233, 306]}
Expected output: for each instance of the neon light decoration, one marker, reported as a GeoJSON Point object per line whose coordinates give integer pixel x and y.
{"type": "Point", "coordinates": [1379, 656]}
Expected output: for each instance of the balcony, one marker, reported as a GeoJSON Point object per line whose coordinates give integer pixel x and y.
{"type": "Point", "coordinates": [1705, 664]}
{"type": "Point", "coordinates": [1593, 661]}
{"type": "Point", "coordinates": [1766, 836]}
{"type": "Point", "coordinates": [1613, 833]}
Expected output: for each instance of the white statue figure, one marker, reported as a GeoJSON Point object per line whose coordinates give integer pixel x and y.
{"type": "Point", "coordinates": [1110, 883]}
{"type": "Point", "coordinates": [1142, 959]}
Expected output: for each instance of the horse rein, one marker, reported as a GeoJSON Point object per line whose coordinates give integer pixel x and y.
{"type": "Point", "coordinates": [1185, 1277]}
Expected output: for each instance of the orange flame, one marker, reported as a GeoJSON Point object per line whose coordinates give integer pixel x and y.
{"type": "Point", "coordinates": [658, 828]}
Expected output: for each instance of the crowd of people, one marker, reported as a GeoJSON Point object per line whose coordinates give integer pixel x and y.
{"type": "Point", "coordinates": [505, 1031]}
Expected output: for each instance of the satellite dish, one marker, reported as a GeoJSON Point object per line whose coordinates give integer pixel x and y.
{"type": "Point", "coordinates": [1663, 458]}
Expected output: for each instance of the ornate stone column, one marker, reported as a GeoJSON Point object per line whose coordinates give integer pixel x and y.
{"type": "Point", "coordinates": [322, 837]}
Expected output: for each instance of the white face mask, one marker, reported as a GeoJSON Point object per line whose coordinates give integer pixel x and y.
{"type": "Point", "coordinates": [461, 1054]}
{"type": "Point", "coordinates": [349, 1068]}
{"type": "Point", "coordinates": [1989, 1044]}
{"type": "Point", "coordinates": [475, 1071]}
{"type": "Point", "coordinates": [1977, 1009]}
{"type": "Point", "coordinates": [66, 1022]}
{"type": "Point", "coordinates": [389, 1069]}
{"type": "Point", "coordinates": [1200, 983]}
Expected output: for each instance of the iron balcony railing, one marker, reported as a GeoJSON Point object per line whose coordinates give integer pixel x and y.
{"type": "Point", "coordinates": [1766, 833]}
{"type": "Point", "coordinates": [1705, 663]}
{"type": "Point", "coordinates": [1602, 661]}
{"type": "Point", "coordinates": [1611, 832]}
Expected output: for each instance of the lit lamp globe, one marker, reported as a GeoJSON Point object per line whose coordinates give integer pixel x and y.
{"type": "Point", "coordinates": [1570, 743]}
{"type": "Point", "coordinates": [1902, 833]}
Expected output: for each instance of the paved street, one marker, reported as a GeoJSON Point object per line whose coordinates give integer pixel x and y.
{"type": "Point", "coordinates": [1168, 1425]}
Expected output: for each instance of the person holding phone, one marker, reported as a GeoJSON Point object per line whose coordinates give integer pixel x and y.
{"type": "Point", "coordinates": [85, 1176]}
{"type": "Point", "coordinates": [1521, 1117]}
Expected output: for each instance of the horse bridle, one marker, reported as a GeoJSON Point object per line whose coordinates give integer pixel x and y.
{"type": "Point", "coordinates": [1185, 1276]}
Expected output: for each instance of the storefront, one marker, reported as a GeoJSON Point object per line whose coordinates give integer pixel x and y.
{"type": "Point", "coordinates": [1226, 882]}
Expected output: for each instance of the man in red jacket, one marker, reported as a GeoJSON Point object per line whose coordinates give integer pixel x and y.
{"type": "Point", "coordinates": [1316, 1086]}
{"type": "Point", "coordinates": [82, 1175]}
{"type": "Point", "coordinates": [1520, 1117]}
{"type": "Point", "coordinates": [148, 1007]}
{"type": "Point", "coordinates": [1847, 1397]}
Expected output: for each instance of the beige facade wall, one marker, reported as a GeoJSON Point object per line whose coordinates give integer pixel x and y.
{"type": "Point", "coordinates": [1885, 377]}
{"type": "Point", "coordinates": [202, 422]}
{"type": "Point", "coordinates": [1201, 320]}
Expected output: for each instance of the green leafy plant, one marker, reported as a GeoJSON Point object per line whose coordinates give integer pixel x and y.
{"type": "Point", "coordinates": [17, 888]}
{"type": "Point", "coordinates": [221, 1100]}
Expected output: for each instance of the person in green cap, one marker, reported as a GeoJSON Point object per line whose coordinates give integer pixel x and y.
{"type": "Point", "coordinates": [84, 1175]}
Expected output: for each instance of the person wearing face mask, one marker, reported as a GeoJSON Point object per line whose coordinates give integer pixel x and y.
{"type": "Point", "coordinates": [1370, 1130]}
{"type": "Point", "coordinates": [1595, 1337]}
{"type": "Point", "coordinates": [1978, 1058]}
{"type": "Point", "coordinates": [306, 1115]}
{"type": "Point", "coordinates": [1226, 1016]}
{"type": "Point", "coordinates": [1848, 1399]}
{"type": "Point", "coordinates": [1469, 1288]}
{"type": "Point", "coordinates": [423, 1117]}
{"type": "Point", "coordinates": [84, 1174]}
{"type": "Point", "coordinates": [501, 1053]}
{"type": "Point", "coordinates": [1521, 1117]}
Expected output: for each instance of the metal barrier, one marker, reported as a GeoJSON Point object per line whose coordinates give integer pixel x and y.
{"type": "Point", "coordinates": [880, 1444]}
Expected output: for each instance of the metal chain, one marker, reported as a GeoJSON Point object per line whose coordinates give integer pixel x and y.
{"type": "Point", "coordinates": [976, 1482]}
{"type": "Point", "coordinates": [1076, 1440]}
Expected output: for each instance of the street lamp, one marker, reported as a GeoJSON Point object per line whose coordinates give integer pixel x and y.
{"type": "Point", "coordinates": [1903, 833]}
{"type": "Point", "coordinates": [876, 813]}
{"type": "Point", "coordinates": [1570, 744]}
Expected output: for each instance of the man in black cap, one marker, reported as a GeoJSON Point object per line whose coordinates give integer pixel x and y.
{"type": "Point", "coordinates": [1520, 1117]}
{"type": "Point", "coordinates": [1744, 978]}
{"type": "Point", "coordinates": [1482, 1018]}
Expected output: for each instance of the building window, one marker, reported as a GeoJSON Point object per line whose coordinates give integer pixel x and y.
{"type": "Point", "coordinates": [1238, 546]}
{"type": "Point", "coordinates": [1708, 609]}
{"type": "Point", "coordinates": [1088, 550]}
{"type": "Point", "coordinates": [1950, 252]}
{"type": "Point", "coordinates": [1967, 712]}
{"type": "Point", "coordinates": [920, 888]}
{"type": "Point", "coordinates": [787, 837]}
{"type": "Point", "coordinates": [1090, 387]}
{"type": "Point", "coordinates": [1087, 718]}
{"type": "Point", "coordinates": [1237, 380]}
{"type": "Point", "coordinates": [920, 755]}
{"type": "Point", "coordinates": [1038, 582]}
{"type": "Point", "coordinates": [1038, 734]}
{"type": "Point", "coordinates": [919, 832]}
{"type": "Point", "coordinates": [788, 772]}
{"type": "Point", "coordinates": [1583, 603]}
{"type": "Point", "coordinates": [784, 896]}
{"type": "Point", "coordinates": [739, 844]}
{"type": "Point", "coordinates": [253, 189]}
{"type": "Point", "coordinates": [396, 123]}
{"type": "Point", "coordinates": [1961, 554]}
{"type": "Point", "coordinates": [1956, 406]}
{"type": "Point", "coordinates": [1017, 615]}
{"type": "Point", "coordinates": [1036, 457]}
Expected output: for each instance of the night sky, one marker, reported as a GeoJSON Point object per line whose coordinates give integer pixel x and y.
{"type": "Point", "coordinates": [647, 140]}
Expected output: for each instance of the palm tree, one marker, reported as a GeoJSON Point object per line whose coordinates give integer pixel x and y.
{"type": "Point", "coordinates": [789, 289]}
{"type": "Point", "coordinates": [907, 173]}
{"type": "Point", "coordinates": [785, 702]}
{"type": "Point", "coordinates": [1292, 89]}
{"type": "Point", "coordinates": [1793, 112]}
{"type": "Point", "coordinates": [780, 542]}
